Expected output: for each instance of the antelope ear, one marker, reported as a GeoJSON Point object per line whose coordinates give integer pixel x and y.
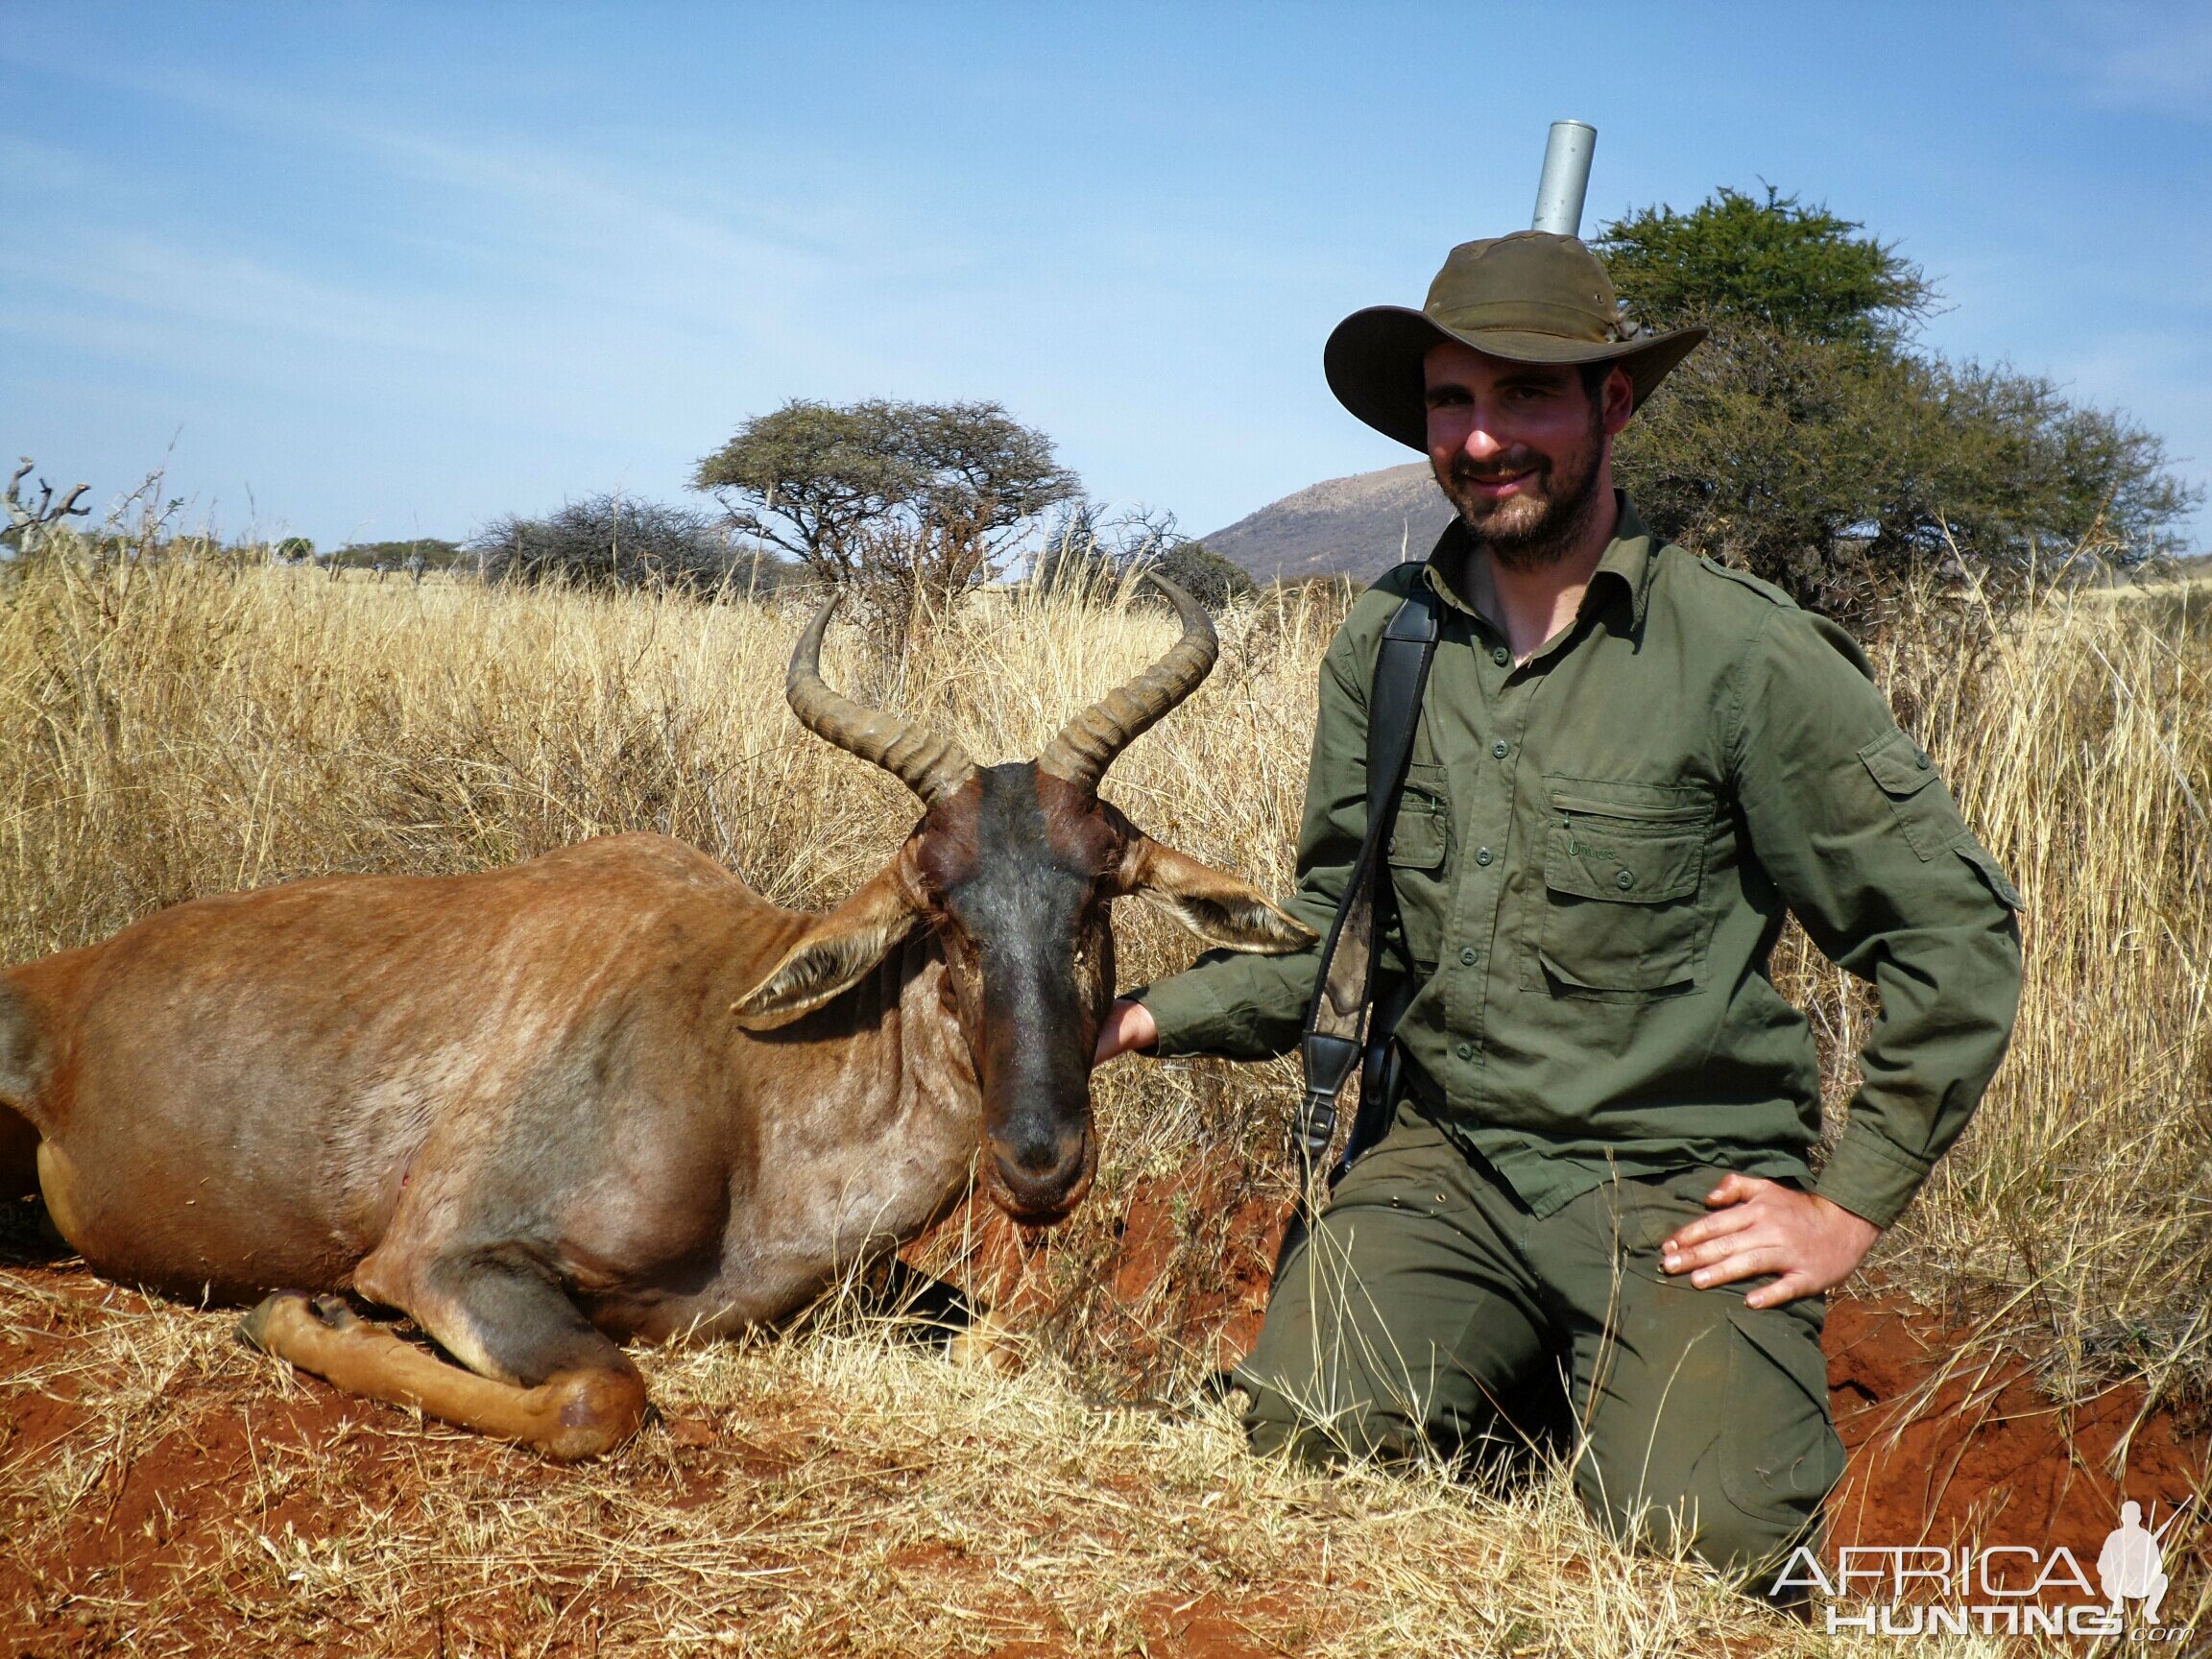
{"type": "Point", "coordinates": [835, 951]}
{"type": "Point", "coordinates": [1218, 908]}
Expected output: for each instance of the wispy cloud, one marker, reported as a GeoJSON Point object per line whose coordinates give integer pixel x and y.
{"type": "Point", "coordinates": [2153, 59]}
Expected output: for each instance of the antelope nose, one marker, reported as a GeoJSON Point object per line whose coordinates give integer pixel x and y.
{"type": "Point", "coordinates": [1043, 1173]}
{"type": "Point", "coordinates": [1038, 1156]}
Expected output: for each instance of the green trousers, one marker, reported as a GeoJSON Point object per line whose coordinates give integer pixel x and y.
{"type": "Point", "coordinates": [1426, 1301]}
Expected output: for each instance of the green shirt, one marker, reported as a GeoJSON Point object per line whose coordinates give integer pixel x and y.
{"type": "Point", "coordinates": [1594, 854]}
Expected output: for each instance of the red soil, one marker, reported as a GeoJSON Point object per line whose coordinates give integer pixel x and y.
{"type": "Point", "coordinates": [1950, 1447]}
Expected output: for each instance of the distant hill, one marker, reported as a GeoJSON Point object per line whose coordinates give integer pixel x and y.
{"type": "Point", "coordinates": [1358, 526]}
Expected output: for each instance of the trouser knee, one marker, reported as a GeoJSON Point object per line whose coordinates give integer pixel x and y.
{"type": "Point", "coordinates": [1274, 1424]}
{"type": "Point", "coordinates": [1759, 1548]}
{"type": "Point", "coordinates": [1712, 1527]}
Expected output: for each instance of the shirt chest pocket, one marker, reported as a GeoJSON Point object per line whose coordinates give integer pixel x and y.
{"type": "Point", "coordinates": [1418, 855]}
{"type": "Point", "coordinates": [1623, 870]}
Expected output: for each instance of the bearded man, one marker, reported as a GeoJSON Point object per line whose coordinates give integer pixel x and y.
{"type": "Point", "coordinates": [1631, 764]}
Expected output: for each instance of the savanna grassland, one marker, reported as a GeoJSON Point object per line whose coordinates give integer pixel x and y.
{"type": "Point", "coordinates": [184, 725]}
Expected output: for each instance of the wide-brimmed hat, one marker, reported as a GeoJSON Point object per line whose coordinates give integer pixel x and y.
{"type": "Point", "coordinates": [1533, 296]}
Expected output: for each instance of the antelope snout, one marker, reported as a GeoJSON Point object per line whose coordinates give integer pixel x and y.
{"type": "Point", "coordinates": [1041, 1176]}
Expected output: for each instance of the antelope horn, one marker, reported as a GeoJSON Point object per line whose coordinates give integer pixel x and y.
{"type": "Point", "coordinates": [1087, 744]}
{"type": "Point", "coordinates": [928, 764]}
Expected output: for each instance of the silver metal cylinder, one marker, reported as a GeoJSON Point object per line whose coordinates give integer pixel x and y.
{"type": "Point", "coordinates": [1565, 178]}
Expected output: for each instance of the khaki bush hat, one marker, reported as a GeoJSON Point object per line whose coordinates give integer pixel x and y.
{"type": "Point", "coordinates": [1533, 296]}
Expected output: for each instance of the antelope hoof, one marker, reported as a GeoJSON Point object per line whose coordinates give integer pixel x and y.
{"type": "Point", "coordinates": [987, 1344]}
{"type": "Point", "coordinates": [254, 1329]}
{"type": "Point", "coordinates": [335, 1312]}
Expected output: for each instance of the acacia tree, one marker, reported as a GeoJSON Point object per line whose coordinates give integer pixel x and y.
{"type": "Point", "coordinates": [1812, 442]}
{"type": "Point", "coordinates": [914, 503]}
{"type": "Point", "coordinates": [605, 542]}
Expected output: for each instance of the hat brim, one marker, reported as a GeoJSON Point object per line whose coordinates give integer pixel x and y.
{"type": "Point", "coordinates": [1373, 362]}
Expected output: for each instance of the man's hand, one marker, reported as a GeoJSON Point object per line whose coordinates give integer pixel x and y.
{"type": "Point", "coordinates": [1127, 1026]}
{"type": "Point", "coordinates": [1764, 1227]}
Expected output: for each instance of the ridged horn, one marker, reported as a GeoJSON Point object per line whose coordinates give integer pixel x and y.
{"type": "Point", "coordinates": [1087, 744]}
{"type": "Point", "coordinates": [928, 763]}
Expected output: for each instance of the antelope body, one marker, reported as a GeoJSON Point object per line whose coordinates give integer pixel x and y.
{"type": "Point", "coordinates": [609, 1094]}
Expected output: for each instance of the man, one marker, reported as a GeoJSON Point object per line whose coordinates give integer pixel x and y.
{"type": "Point", "coordinates": [1630, 764]}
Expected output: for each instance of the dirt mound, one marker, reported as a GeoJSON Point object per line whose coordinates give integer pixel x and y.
{"type": "Point", "coordinates": [1951, 1443]}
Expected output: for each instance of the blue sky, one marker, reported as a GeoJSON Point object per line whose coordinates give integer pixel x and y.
{"type": "Point", "coordinates": [362, 271]}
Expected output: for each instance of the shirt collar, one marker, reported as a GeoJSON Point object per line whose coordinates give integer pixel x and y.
{"type": "Point", "coordinates": [1625, 568]}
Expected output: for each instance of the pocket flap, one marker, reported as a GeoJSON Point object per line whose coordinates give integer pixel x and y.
{"type": "Point", "coordinates": [1418, 833]}
{"type": "Point", "coordinates": [1613, 798]}
{"type": "Point", "coordinates": [1979, 856]}
{"type": "Point", "coordinates": [1900, 765]}
{"type": "Point", "coordinates": [1605, 860]}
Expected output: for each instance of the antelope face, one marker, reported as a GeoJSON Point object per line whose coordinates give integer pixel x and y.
{"type": "Point", "coordinates": [1015, 868]}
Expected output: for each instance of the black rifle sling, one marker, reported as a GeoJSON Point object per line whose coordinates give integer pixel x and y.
{"type": "Point", "coordinates": [1331, 1046]}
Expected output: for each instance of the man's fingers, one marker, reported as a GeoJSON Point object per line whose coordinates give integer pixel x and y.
{"type": "Point", "coordinates": [1741, 1264]}
{"type": "Point", "coordinates": [1761, 1227]}
{"type": "Point", "coordinates": [1786, 1288]}
{"type": "Point", "coordinates": [1127, 1026]}
{"type": "Point", "coordinates": [1736, 1189]}
{"type": "Point", "coordinates": [1709, 1227]}
{"type": "Point", "coordinates": [1717, 1250]}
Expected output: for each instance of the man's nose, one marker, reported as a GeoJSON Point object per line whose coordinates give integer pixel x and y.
{"type": "Point", "coordinates": [1482, 442]}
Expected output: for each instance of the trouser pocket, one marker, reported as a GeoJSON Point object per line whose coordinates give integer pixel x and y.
{"type": "Point", "coordinates": [1779, 1452]}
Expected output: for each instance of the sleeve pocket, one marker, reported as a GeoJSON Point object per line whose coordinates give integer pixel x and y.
{"type": "Point", "coordinates": [1907, 778]}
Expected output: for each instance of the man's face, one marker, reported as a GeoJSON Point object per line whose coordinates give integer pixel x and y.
{"type": "Point", "coordinates": [1520, 449]}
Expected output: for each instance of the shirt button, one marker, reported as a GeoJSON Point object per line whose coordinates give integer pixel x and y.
{"type": "Point", "coordinates": [1500, 749]}
{"type": "Point", "coordinates": [1467, 957]}
{"type": "Point", "coordinates": [1624, 880]}
{"type": "Point", "coordinates": [1465, 1050]}
{"type": "Point", "coordinates": [1923, 762]}
{"type": "Point", "coordinates": [1500, 656]}
{"type": "Point", "coordinates": [1481, 854]}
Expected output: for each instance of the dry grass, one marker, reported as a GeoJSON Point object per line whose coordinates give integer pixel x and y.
{"type": "Point", "coordinates": [859, 1496]}
{"type": "Point", "coordinates": [182, 727]}
{"type": "Point", "coordinates": [2080, 1204]}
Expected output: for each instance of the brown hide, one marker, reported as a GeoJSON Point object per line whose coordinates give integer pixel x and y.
{"type": "Point", "coordinates": [331, 1084]}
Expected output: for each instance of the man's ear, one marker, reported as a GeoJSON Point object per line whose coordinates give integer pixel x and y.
{"type": "Point", "coordinates": [836, 949]}
{"type": "Point", "coordinates": [1218, 908]}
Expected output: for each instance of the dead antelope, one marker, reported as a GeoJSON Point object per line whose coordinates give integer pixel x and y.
{"type": "Point", "coordinates": [609, 1094]}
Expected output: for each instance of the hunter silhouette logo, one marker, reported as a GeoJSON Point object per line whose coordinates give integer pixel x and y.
{"type": "Point", "coordinates": [2132, 1566]}
{"type": "Point", "coordinates": [1998, 1589]}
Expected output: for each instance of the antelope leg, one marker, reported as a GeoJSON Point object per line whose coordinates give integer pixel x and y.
{"type": "Point", "coordinates": [573, 1413]}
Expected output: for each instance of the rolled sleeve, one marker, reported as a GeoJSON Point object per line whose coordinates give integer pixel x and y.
{"type": "Point", "coordinates": [1862, 839]}
{"type": "Point", "coordinates": [1237, 1007]}
{"type": "Point", "coordinates": [1246, 1007]}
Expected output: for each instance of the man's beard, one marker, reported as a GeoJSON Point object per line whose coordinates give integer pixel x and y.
{"type": "Point", "coordinates": [1542, 525]}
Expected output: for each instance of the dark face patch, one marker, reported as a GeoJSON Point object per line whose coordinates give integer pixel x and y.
{"type": "Point", "coordinates": [1017, 875]}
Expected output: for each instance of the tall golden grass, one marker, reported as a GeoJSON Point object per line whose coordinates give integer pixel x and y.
{"type": "Point", "coordinates": [187, 724]}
